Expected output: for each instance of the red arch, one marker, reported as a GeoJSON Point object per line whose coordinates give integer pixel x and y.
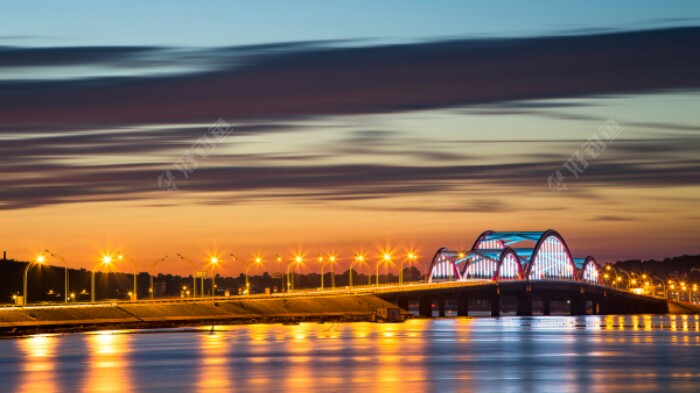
{"type": "Point", "coordinates": [546, 234]}
{"type": "Point", "coordinates": [505, 252]}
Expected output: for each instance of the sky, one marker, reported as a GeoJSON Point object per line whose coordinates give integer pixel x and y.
{"type": "Point", "coordinates": [316, 127]}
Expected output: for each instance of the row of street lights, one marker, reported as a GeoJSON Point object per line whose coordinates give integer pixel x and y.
{"type": "Point", "coordinates": [644, 283]}
{"type": "Point", "coordinates": [296, 261]}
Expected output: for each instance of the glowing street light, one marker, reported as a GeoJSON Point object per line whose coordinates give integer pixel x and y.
{"type": "Point", "coordinates": [331, 261]}
{"type": "Point", "coordinates": [214, 263]}
{"type": "Point", "coordinates": [320, 261]}
{"type": "Point", "coordinates": [106, 261]}
{"type": "Point", "coordinates": [386, 258]}
{"type": "Point", "coordinates": [39, 261]}
{"type": "Point", "coordinates": [411, 257]}
{"type": "Point", "coordinates": [256, 261]}
{"type": "Point", "coordinates": [298, 260]}
{"type": "Point", "coordinates": [358, 259]}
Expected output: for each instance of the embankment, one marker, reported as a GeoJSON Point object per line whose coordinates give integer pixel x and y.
{"type": "Point", "coordinates": [30, 320]}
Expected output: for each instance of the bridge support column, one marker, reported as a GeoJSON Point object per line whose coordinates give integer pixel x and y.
{"type": "Point", "coordinates": [595, 307]}
{"type": "Point", "coordinates": [425, 307]}
{"type": "Point", "coordinates": [462, 305]}
{"type": "Point", "coordinates": [403, 303]}
{"type": "Point", "coordinates": [546, 306]}
{"type": "Point", "coordinates": [495, 305]}
{"type": "Point", "coordinates": [441, 306]}
{"type": "Point", "coordinates": [578, 305]}
{"type": "Point", "coordinates": [524, 304]}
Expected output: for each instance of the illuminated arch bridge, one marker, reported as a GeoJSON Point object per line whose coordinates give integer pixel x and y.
{"type": "Point", "coordinates": [500, 256]}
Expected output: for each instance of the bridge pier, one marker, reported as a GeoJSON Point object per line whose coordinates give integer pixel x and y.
{"type": "Point", "coordinates": [462, 305]}
{"type": "Point", "coordinates": [578, 305]}
{"type": "Point", "coordinates": [402, 303]}
{"type": "Point", "coordinates": [495, 305]}
{"type": "Point", "coordinates": [546, 306]}
{"type": "Point", "coordinates": [441, 306]}
{"type": "Point", "coordinates": [524, 304]}
{"type": "Point", "coordinates": [425, 306]}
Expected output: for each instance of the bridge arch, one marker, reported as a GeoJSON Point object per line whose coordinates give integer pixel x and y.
{"type": "Point", "coordinates": [509, 266]}
{"type": "Point", "coordinates": [443, 267]}
{"type": "Point", "coordinates": [551, 259]}
{"type": "Point", "coordinates": [590, 272]}
{"type": "Point", "coordinates": [484, 243]}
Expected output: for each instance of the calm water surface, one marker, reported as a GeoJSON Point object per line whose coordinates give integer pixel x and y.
{"type": "Point", "coordinates": [511, 354]}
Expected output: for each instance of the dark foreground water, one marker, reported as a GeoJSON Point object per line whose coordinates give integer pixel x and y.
{"type": "Point", "coordinates": [511, 354]}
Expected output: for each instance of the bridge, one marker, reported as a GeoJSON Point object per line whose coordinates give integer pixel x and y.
{"type": "Point", "coordinates": [526, 271]}
{"type": "Point", "coordinates": [527, 266]}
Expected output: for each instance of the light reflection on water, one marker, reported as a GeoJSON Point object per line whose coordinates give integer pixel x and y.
{"type": "Point", "coordinates": [638, 353]}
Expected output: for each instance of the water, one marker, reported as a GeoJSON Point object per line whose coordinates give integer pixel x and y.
{"type": "Point", "coordinates": [512, 354]}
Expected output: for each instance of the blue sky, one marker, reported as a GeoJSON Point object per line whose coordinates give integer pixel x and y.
{"type": "Point", "coordinates": [223, 23]}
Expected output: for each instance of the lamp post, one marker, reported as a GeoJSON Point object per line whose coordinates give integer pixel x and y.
{"type": "Point", "coordinates": [106, 260]}
{"type": "Point", "coordinates": [331, 261]}
{"type": "Point", "coordinates": [297, 261]}
{"type": "Point", "coordinates": [663, 285]}
{"type": "Point", "coordinates": [386, 259]}
{"type": "Point", "coordinates": [39, 261]}
{"type": "Point", "coordinates": [278, 259]}
{"type": "Point", "coordinates": [320, 261]}
{"type": "Point", "coordinates": [194, 274]}
{"type": "Point", "coordinates": [214, 262]}
{"type": "Point", "coordinates": [153, 266]}
{"type": "Point", "coordinates": [411, 258]}
{"type": "Point", "coordinates": [120, 256]}
{"type": "Point", "coordinates": [358, 259]}
{"type": "Point", "coordinates": [65, 273]}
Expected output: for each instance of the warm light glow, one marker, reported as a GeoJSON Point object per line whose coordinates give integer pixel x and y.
{"type": "Point", "coordinates": [258, 260]}
{"type": "Point", "coordinates": [120, 257]}
{"type": "Point", "coordinates": [461, 254]}
{"type": "Point", "coordinates": [106, 259]}
{"type": "Point", "coordinates": [332, 258]}
{"type": "Point", "coordinates": [411, 256]}
{"type": "Point", "coordinates": [387, 257]}
{"type": "Point", "coordinates": [40, 259]}
{"type": "Point", "coordinates": [298, 259]}
{"type": "Point", "coordinates": [360, 258]}
{"type": "Point", "coordinates": [214, 260]}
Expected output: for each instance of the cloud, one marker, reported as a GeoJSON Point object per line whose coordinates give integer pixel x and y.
{"type": "Point", "coordinates": [309, 80]}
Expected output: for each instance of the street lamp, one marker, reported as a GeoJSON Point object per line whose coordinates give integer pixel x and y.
{"type": "Point", "coordinates": [320, 261]}
{"type": "Point", "coordinates": [39, 261]}
{"type": "Point", "coordinates": [298, 259]}
{"type": "Point", "coordinates": [106, 260]}
{"type": "Point", "coordinates": [331, 261]}
{"type": "Point", "coordinates": [133, 264]}
{"type": "Point", "coordinates": [278, 259]}
{"type": "Point", "coordinates": [194, 274]}
{"type": "Point", "coordinates": [386, 258]}
{"type": "Point", "coordinates": [153, 266]}
{"type": "Point", "coordinates": [358, 259]}
{"type": "Point", "coordinates": [65, 272]}
{"type": "Point", "coordinates": [411, 258]}
{"type": "Point", "coordinates": [214, 261]}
